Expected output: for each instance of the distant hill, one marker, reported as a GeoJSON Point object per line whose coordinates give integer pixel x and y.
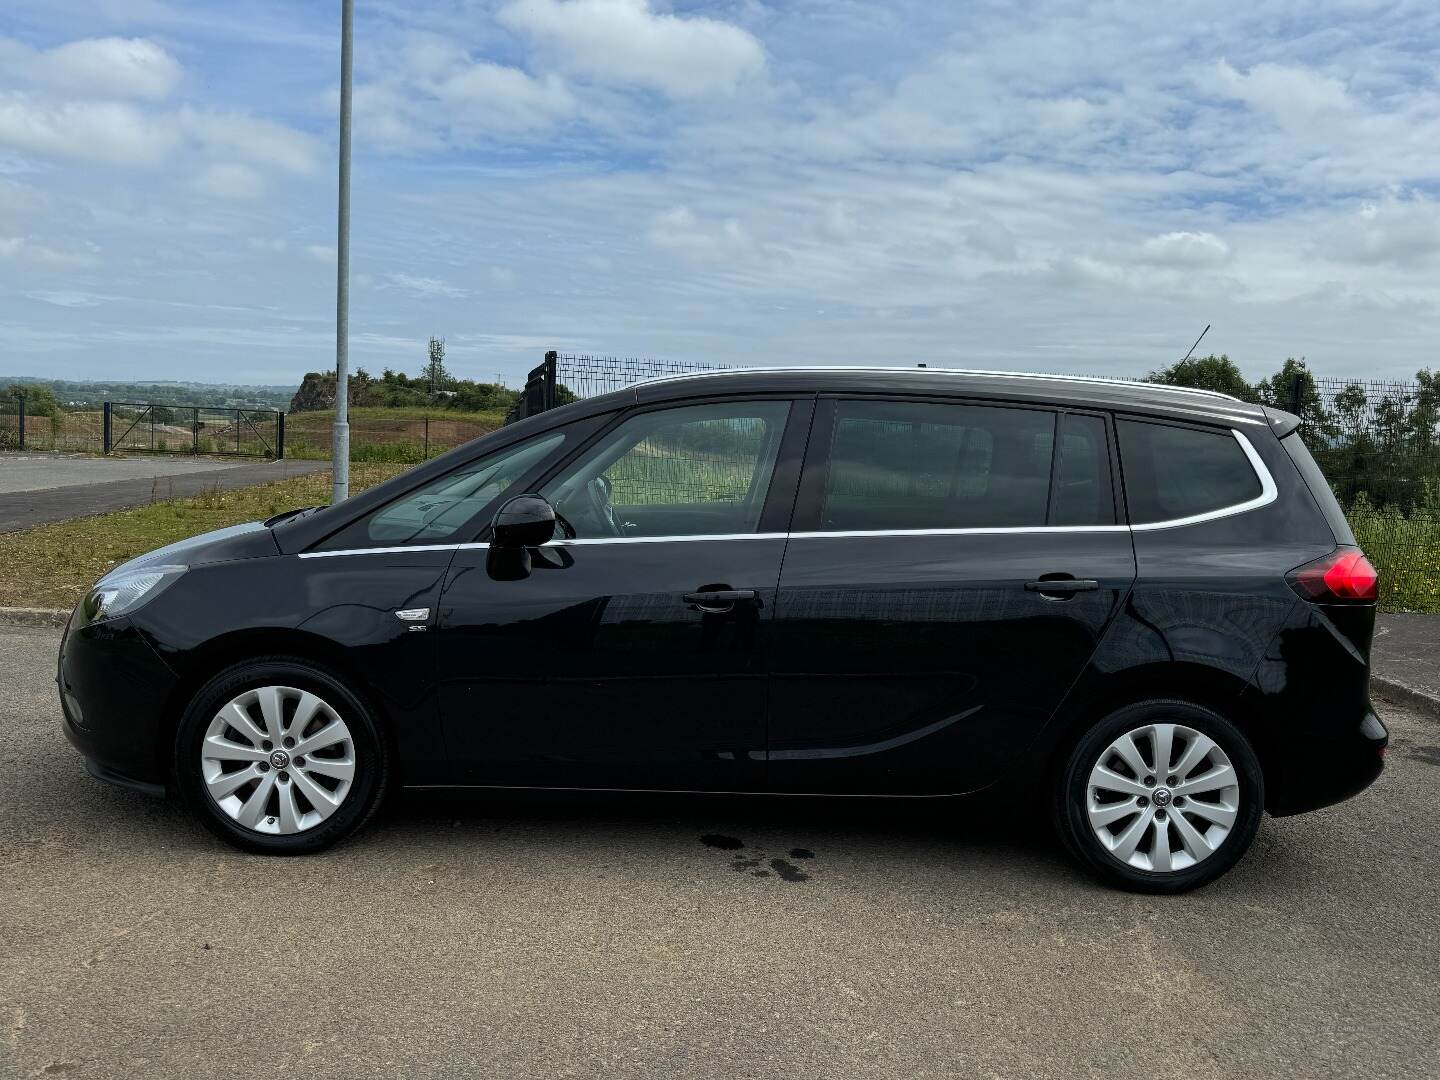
{"type": "Point", "coordinates": [160, 392]}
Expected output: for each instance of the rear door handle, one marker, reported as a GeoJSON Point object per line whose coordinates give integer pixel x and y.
{"type": "Point", "coordinates": [1062, 586]}
{"type": "Point", "coordinates": [719, 601]}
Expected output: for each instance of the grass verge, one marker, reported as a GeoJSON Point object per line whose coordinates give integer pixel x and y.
{"type": "Point", "coordinates": [50, 566]}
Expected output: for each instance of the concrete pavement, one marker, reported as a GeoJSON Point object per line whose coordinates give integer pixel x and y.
{"type": "Point", "coordinates": [543, 936]}
{"type": "Point", "coordinates": [1406, 649]}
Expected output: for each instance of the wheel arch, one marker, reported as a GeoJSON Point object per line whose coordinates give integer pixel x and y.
{"type": "Point", "coordinates": [227, 650]}
{"type": "Point", "coordinates": [1212, 688]}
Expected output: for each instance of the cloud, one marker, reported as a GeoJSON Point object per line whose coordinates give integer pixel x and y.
{"type": "Point", "coordinates": [486, 96]}
{"type": "Point", "coordinates": [259, 141]}
{"type": "Point", "coordinates": [67, 298]}
{"type": "Point", "coordinates": [1399, 231]}
{"type": "Point", "coordinates": [1293, 96]}
{"type": "Point", "coordinates": [623, 42]}
{"type": "Point", "coordinates": [104, 131]}
{"type": "Point", "coordinates": [321, 253]}
{"type": "Point", "coordinates": [231, 181]}
{"type": "Point", "coordinates": [1185, 250]}
{"type": "Point", "coordinates": [24, 250]}
{"type": "Point", "coordinates": [424, 286]}
{"type": "Point", "coordinates": [106, 67]}
{"type": "Point", "coordinates": [680, 232]}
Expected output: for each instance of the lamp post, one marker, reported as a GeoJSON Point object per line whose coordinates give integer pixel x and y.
{"type": "Point", "coordinates": [340, 436]}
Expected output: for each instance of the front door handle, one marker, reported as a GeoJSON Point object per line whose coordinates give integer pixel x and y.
{"type": "Point", "coordinates": [719, 601]}
{"type": "Point", "coordinates": [1060, 588]}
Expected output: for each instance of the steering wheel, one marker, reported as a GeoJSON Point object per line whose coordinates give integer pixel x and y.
{"type": "Point", "coordinates": [603, 510]}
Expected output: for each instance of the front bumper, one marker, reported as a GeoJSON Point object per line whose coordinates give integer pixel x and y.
{"type": "Point", "coordinates": [113, 689]}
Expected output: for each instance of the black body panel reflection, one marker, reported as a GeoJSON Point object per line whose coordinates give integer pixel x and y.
{"type": "Point", "coordinates": [921, 665]}
{"type": "Point", "coordinates": [593, 670]}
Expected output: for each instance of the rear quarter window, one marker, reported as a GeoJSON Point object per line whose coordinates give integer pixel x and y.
{"type": "Point", "coordinates": [1176, 472]}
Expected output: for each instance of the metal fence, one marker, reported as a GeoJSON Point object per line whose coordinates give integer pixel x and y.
{"type": "Point", "coordinates": [563, 377]}
{"type": "Point", "coordinates": [192, 429]}
{"type": "Point", "coordinates": [402, 439]}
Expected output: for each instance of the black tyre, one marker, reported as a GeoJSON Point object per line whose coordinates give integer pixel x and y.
{"type": "Point", "coordinates": [1160, 797]}
{"type": "Point", "coordinates": [278, 756]}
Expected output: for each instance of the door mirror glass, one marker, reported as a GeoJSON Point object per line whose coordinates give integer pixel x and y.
{"type": "Point", "coordinates": [525, 521]}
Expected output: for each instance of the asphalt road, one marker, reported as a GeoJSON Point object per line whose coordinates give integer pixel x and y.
{"type": "Point", "coordinates": [600, 936]}
{"type": "Point", "coordinates": [39, 488]}
{"type": "Point", "coordinates": [46, 471]}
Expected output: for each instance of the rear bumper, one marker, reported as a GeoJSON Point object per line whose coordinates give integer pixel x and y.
{"type": "Point", "coordinates": [1323, 771]}
{"type": "Point", "coordinates": [113, 687]}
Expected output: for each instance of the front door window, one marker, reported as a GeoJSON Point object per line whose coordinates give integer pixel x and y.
{"type": "Point", "coordinates": [698, 470]}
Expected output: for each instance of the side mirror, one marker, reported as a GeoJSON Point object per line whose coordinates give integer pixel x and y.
{"type": "Point", "coordinates": [525, 521]}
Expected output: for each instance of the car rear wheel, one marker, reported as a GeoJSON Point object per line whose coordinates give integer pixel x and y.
{"type": "Point", "coordinates": [278, 756]}
{"type": "Point", "coordinates": [1161, 796]}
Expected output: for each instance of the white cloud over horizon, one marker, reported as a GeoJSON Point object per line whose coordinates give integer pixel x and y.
{"type": "Point", "coordinates": [733, 181]}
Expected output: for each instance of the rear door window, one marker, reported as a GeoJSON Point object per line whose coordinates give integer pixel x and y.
{"type": "Point", "coordinates": [922, 465]}
{"type": "Point", "coordinates": [1177, 472]}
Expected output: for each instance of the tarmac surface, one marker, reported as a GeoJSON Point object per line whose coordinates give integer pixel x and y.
{"type": "Point", "coordinates": [595, 936]}
{"type": "Point", "coordinates": [40, 488]}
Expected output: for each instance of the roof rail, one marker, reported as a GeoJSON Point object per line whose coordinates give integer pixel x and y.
{"type": "Point", "coordinates": [947, 371]}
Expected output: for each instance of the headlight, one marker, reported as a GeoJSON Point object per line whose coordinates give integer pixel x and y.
{"type": "Point", "coordinates": [125, 591]}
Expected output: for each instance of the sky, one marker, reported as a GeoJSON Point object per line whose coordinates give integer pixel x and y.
{"type": "Point", "coordinates": [1037, 186]}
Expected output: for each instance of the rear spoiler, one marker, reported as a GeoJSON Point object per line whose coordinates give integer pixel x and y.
{"type": "Point", "coordinates": [1281, 422]}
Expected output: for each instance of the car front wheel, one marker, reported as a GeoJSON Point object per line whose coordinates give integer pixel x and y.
{"type": "Point", "coordinates": [278, 756]}
{"type": "Point", "coordinates": [1160, 796]}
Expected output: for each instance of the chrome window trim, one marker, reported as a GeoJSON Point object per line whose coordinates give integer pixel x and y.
{"type": "Point", "coordinates": [1269, 492]}
{"type": "Point", "coordinates": [395, 550]}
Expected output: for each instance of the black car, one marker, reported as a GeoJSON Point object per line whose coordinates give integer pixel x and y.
{"type": "Point", "coordinates": [1139, 605]}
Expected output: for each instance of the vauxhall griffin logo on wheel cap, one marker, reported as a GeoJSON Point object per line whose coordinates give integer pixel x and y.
{"type": "Point", "coordinates": [1160, 796]}
{"type": "Point", "coordinates": [279, 759]}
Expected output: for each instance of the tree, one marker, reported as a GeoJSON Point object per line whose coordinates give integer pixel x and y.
{"type": "Point", "coordinates": [39, 399]}
{"type": "Point", "coordinates": [435, 374]}
{"type": "Point", "coordinates": [1207, 373]}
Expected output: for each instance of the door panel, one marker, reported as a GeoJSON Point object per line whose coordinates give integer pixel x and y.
{"type": "Point", "coordinates": [601, 667]}
{"type": "Point", "coordinates": [914, 665]}
{"type": "Point", "coordinates": [595, 672]}
{"type": "Point", "coordinates": [932, 613]}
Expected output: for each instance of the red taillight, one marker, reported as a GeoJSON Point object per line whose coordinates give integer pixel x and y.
{"type": "Point", "coordinates": [1343, 575]}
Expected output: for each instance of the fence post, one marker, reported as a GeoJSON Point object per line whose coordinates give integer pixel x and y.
{"type": "Point", "coordinates": [22, 421]}
{"type": "Point", "coordinates": [551, 358]}
{"type": "Point", "coordinates": [105, 428]}
{"type": "Point", "coordinates": [195, 433]}
{"type": "Point", "coordinates": [1297, 393]}
{"type": "Point", "coordinates": [427, 438]}
{"type": "Point", "coordinates": [279, 436]}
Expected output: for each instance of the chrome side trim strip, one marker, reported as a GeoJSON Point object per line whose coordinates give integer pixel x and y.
{"type": "Point", "coordinates": [596, 541]}
{"type": "Point", "coordinates": [380, 550]}
{"type": "Point", "coordinates": [996, 531]}
{"type": "Point", "coordinates": [1268, 494]}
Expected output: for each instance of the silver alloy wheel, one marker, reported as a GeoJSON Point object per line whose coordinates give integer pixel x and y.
{"type": "Point", "coordinates": [1162, 797]}
{"type": "Point", "coordinates": [278, 760]}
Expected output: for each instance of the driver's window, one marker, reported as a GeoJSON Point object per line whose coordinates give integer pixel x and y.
{"type": "Point", "coordinates": [699, 470]}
